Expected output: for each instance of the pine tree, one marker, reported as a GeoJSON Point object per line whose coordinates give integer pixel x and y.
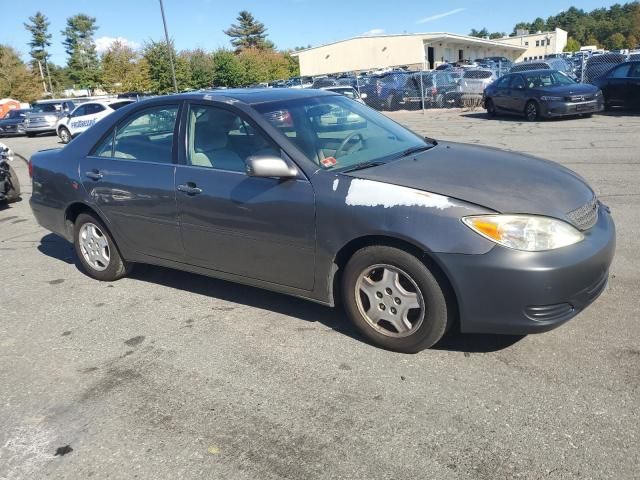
{"type": "Point", "coordinates": [83, 64]}
{"type": "Point", "coordinates": [248, 33]}
{"type": "Point", "coordinates": [40, 40]}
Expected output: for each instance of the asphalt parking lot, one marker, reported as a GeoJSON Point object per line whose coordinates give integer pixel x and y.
{"type": "Point", "coordinates": [171, 375]}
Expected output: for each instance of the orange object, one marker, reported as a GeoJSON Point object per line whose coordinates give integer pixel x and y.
{"type": "Point", "coordinates": [7, 104]}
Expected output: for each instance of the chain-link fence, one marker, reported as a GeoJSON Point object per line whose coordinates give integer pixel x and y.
{"type": "Point", "coordinates": [460, 85]}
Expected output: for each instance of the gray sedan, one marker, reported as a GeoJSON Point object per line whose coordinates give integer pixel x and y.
{"type": "Point", "coordinates": [540, 94]}
{"type": "Point", "coordinates": [312, 194]}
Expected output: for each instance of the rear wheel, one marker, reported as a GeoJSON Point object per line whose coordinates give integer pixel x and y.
{"type": "Point", "coordinates": [64, 135]}
{"type": "Point", "coordinates": [438, 102]}
{"type": "Point", "coordinates": [531, 111]}
{"type": "Point", "coordinates": [31, 135]}
{"type": "Point", "coordinates": [96, 250]}
{"type": "Point", "coordinates": [394, 300]}
{"type": "Point", "coordinates": [391, 103]}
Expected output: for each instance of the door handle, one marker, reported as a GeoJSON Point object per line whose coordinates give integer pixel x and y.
{"type": "Point", "coordinates": [94, 175]}
{"type": "Point", "coordinates": [189, 188]}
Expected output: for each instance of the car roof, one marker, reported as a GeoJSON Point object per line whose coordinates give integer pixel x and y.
{"type": "Point", "coordinates": [249, 96]}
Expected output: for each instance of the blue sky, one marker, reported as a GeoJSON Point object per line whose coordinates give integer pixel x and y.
{"type": "Point", "coordinates": [290, 23]}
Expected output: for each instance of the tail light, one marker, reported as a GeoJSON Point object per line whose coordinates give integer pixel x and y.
{"type": "Point", "coordinates": [30, 169]}
{"type": "Point", "coordinates": [434, 90]}
{"type": "Point", "coordinates": [378, 88]}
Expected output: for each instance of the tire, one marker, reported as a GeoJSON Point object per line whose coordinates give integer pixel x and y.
{"type": "Point", "coordinates": [438, 102]}
{"type": "Point", "coordinates": [426, 324]}
{"type": "Point", "coordinates": [106, 270]}
{"type": "Point", "coordinates": [31, 135]}
{"type": "Point", "coordinates": [64, 135]}
{"type": "Point", "coordinates": [13, 192]}
{"type": "Point", "coordinates": [532, 111]}
{"type": "Point", "coordinates": [391, 103]}
{"type": "Point", "coordinates": [491, 108]}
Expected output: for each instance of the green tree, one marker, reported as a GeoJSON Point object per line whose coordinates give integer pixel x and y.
{"type": "Point", "coordinates": [156, 56]}
{"type": "Point", "coordinates": [615, 41]}
{"type": "Point", "coordinates": [495, 35]}
{"type": "Point", "coordinates": [16, 80]}
{"type": "Point", "coordinates": [248, 33]}
{"type": "Point", "coordinates": [632, 41]}
{"type": "Point", "coordinates": [479, 33]}
{"type": "Point", "coordinates": [572, 45]}
{"type": "Point", "coordinates": [40, 40]}
{"type": "Point", "coordinates": [83, 65]}
{"type": "Point", "coordinates": [123, 70]}
{"type": "Point", "coordinates": [227, 69]}
{"type": "Point", "coordinates": [538, 25]}
{"type": "Point", "coordinates": [201, 66]}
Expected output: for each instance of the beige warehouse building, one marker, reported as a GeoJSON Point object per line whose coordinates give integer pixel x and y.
{"type": "Point", "coordinates": [416, 51]}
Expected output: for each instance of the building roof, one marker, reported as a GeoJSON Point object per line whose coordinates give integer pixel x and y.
{"type": "Point", "coordinates": [432, 36]}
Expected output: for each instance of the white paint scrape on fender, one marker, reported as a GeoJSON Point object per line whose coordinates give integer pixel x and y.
{"type": "Point", "coordinates": [369, 193]}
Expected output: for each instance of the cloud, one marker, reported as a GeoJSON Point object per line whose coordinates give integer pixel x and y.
{"type": "Point", "coordinates": [103, 43]}
{"type": "Point", "coordinates": [441, 15]}
{"type": "Point", "coordinates": [373, 31]}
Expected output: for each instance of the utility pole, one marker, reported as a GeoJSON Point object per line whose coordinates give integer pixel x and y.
{"type": "Point", "coordinates": [166, 36]}
{"type": "Point", "coordinates": [44, 85]}
{"type": "Point", "coordinates": [46, 66]}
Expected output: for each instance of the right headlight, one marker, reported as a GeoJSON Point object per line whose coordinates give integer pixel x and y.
{"type": "Point", "coordinates": [530, 233]}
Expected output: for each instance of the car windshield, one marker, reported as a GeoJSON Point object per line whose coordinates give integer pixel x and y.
{"type": "Point", "coordinates": [338, 133]}
{"type": "Point", "coordinates": [477, 74]}
{"type": "Point", "coordinates": [15, 114]}
{"type": "Point", "coordinates": [46, 107]}
{"type": "Point", "coordinates": [547, 79]}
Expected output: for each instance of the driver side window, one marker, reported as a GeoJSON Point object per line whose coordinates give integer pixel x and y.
{"type": "Point", "coordinates": [220, 139]}
{"type": "Point", "coordinates": [517, 83]}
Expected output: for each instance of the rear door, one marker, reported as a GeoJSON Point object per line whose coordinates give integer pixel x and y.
{"type": "Point", "coordinates": [260, 228]}
{"type": "Point", "coordinates": [129, 176]}
{"type": "Point", "coordinates": [502, 93]}
{"type": "Point", "coordinates": [633, 88]}
{"type": "Point", "coordinates": [615, 89]}
{"type": "Point", "coordinates": [518, 94]}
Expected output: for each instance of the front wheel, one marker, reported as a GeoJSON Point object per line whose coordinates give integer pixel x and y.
{"type": "Point", "coordinates": [96, 250]}
{"type": "Point", "coordinates": [491, 108]}
{"type": "Point", "coordinates": [531, 111]}
{"type": "Point", "coordinates": [64, 135]}
{"type": "Point", "coordinates": [394, 299]}
{"type": "Point", "coordinates": [31, 135]}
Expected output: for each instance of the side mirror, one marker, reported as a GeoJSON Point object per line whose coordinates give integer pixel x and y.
{"type": "Point", "coordinates": [363, 96]}
{"type": "Point", "coordinates": [269, 166]}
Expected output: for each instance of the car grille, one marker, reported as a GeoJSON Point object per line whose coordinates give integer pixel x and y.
{"type": "Point", "coordinates": [36, 119]}
{"type": "Point", "coordinates": [579, 98]}
{"type": "Point", "coordinates": [585, 216]}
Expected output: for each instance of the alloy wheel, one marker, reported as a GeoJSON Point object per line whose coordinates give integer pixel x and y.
{"type": "Point", "coordinates": [389, 300]}
{"type": "Point", "coordinates": [94, 247]}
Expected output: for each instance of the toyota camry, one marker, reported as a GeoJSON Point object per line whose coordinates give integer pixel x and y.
{"type": "Point", "coordinates": [309, 193]}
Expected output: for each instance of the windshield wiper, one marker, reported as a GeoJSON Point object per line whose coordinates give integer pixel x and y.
{"type": "Point", "coordinates": [411, 150]}
{"type": "Point", "coordinates": [363, 165]}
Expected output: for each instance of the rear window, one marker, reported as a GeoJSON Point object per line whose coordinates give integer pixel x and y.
{"type": "Point", "coordinates": [477, 74]}
{"type": "Point", "coordinates": [117, 105]}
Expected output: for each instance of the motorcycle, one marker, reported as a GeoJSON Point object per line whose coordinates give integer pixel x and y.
{"type": "Point", "coordinates": [9, 183]}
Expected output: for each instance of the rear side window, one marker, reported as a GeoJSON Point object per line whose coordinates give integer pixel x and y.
{"type": "Point", "coordinates": [635, 70]}
{"type": "Point", "coordinates": [620, 72]}
{"type": "Point", "coordinates": [146, 136]}
{"type": "Point", "coordinates": [94, 108]}
{"type": "Point", "coordinates": [517, 82]}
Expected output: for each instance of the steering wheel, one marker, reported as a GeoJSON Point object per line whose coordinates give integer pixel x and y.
{"type": "Point", "coordinates": [347, 139]}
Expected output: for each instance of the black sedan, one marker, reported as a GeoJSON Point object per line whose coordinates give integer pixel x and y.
{"type": "Point", "coordinates": [312, 194]}
{"type": "Point", "coordinates": [621, 86]}
{"type": "Point", "coordinates": [540, 94]}
{"type": "Point", "coordinates": [13, 122]}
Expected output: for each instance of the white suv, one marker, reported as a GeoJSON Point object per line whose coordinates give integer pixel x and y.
{"type": "Point", "coordinates": [85, 115]}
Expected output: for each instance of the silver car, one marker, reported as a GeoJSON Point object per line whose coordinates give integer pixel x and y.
{"type": "Point", "coordinates": [44, 116]}
{"type": "Point", "coordinates": [472, 84]}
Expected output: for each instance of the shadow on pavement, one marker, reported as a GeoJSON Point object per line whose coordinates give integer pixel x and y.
{"type": "Point", "coordinates": [334, 318]}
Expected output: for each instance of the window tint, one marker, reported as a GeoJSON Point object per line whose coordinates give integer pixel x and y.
{"type": "Point", "coordinates": [80, 111]}
{"type": "Point", "coordinates": [517, 82]}
{"type": "Point", "coordinates": [620, 72]}
{"type": "Point", "coordinates": [222, 140]}
{"type": "Point", "coordinates": [503, 82]}
{"type": "Point", "coordinates": [94, 108]}
{"type": "Point", "coordinates": [635, 70]}
{"type": "Point", "coordinates": [147, 136]}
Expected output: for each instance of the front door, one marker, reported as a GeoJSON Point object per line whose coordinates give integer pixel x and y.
{"type": "Point", "coordinates": [260, 228]}
{"type": "Point", "coordinates": [130, 179]}
{"type": "Point", "coordinates": [518, 94]}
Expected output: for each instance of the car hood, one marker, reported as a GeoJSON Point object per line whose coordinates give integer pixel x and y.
{"type": "Point", "coordinates": [502, 181]}
{"type": "Point", "coordinates": [576, 89]}
{"type": "Point", "coordinates": [11, 121]}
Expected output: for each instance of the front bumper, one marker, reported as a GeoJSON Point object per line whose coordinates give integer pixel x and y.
{"type": "Point", "coordinates": [17, 129]}
{"type": "Point", "coordinates": [40, 127]}
{"type": "Point", "coordinates": [514, 292]}
{"type": "Point", "coordinates": [563, 108]}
